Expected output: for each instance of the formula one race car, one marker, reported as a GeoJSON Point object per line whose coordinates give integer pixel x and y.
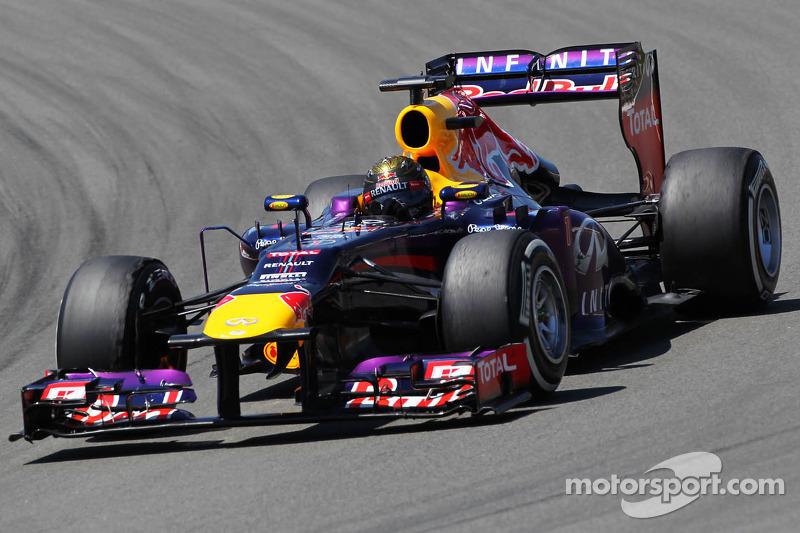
{"type": "Point", "coordinates": [455, 278]}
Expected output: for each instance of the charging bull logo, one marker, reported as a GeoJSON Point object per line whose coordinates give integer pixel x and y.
{"type": "Point", "coordinates": [300, 303]}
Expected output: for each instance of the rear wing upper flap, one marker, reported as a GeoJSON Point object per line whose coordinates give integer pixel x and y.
{"type": "Point", "coordinates": [508, 77]}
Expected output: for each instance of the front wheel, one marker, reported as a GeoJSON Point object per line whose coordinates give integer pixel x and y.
{"type": "Point", "coordinates": [107, 319]}
{"type": "Point", "coordinates": [502, 287]}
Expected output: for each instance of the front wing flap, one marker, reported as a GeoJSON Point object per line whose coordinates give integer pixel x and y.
{"type": "Point", "coordinates": [73, 401]}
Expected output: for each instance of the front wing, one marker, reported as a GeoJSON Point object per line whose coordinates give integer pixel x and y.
{"type": "Point", "coordinates": [83, 403]}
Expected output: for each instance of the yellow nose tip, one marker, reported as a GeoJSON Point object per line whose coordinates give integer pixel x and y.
{"type": "Point", "coordinates": [241, 316]}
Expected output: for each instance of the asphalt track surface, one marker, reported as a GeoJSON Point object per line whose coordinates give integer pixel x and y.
{"type": "Point", "coordinates": [125, 127]}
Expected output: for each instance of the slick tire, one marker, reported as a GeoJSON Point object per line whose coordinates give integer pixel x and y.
{"type": "Point", "coordinates": [320, 192]}
{"type": "Point", "coordinates": [721, 229]}
{"type": "Point", "coordinates": [103, 323]}
{"type": "Point", "coordinates": [502, 287]}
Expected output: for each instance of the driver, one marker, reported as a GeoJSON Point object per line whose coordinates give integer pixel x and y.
{"type": "Point", "coordinates": [399, 187]}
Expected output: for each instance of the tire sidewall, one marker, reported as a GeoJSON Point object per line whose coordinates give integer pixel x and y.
{"type": "Point", "coordinates": [757, 180]}
{"type": "Point", "coordinates": [536, 261]}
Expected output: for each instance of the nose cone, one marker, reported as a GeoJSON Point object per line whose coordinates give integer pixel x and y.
{"type": "Point", "coordinates": [240, 316]}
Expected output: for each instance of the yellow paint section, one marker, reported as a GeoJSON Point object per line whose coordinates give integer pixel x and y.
{"type": "Point", "coordinates": [436, 111]}
{"type": "Point", "coordinates": [441, 142]}
{"type": "Point", "coordinates": [278, 206]}
{"type": "Point", "coordinates": [250, 315]}
{"type": "Point", "coordinates": [282, 196]}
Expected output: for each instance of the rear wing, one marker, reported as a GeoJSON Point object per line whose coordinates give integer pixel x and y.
{"type": "Point", "coordinates": [595, 72]}
{"type": "Point", "coordinates": [509, 77]}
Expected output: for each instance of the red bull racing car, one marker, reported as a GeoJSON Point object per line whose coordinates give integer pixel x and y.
{"type": "Point", "coordinates": [456, 277]}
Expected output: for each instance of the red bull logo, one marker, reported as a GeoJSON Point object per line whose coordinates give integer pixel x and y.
{"type": "Point", "coordinates": [299, 302]}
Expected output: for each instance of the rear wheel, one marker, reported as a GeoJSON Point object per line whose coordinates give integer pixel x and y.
{"type": "Point", "coordinates": [721, 228]}
{"type": "Point", "coordinates": [320, 192]}
{"type": "Point", "coordinates": [105, 321]}
{"type": "Point", "coordinates": [505, 286]}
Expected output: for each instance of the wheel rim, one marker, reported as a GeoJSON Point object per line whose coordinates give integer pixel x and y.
{"type": "Point", "coordinates": [768, 231]}
{"type": "Point", "coordinates": [550, 316]}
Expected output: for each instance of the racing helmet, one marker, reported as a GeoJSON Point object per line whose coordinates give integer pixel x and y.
{"type": "Point", "coordinates": [398, 186]}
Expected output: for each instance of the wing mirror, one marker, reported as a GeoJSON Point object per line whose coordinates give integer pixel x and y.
{"type": "Point", "coordinates": [290, 202]}
{"type": "Point", "coordinates": [469, 190]}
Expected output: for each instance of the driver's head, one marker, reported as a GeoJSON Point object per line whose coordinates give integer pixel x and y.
{"type": "Point", "coordinates": [398, 186]}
